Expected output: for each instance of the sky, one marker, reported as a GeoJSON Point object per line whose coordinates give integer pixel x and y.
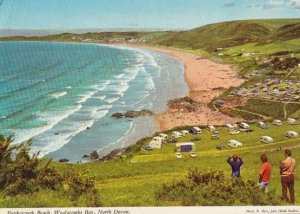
{"type": "Point", "coordinates": [137, 14]}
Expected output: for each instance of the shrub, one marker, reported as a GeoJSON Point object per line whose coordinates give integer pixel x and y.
{"type": "Point", "coordinates": [77, 183]}
{"type": "Point", "coordinates": [214, 189]}
{"type": "Point", "coordinates": [22, 173]}
{"type": "Point", "coordinates": [49, 178]}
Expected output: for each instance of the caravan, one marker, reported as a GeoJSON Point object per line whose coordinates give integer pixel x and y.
{"type": "Point", "coordinates": [177, 134]}
{"type": "Point", "coordinates": [195, 130]}
{"type": "Point", "coordinates": [163, 136]}
{"type": "Point", "coordinates": [291, 134]}
{"type": "Point", "coordinates": [185, 132]}
{"type": "Point", "coordinates": [266, 139]}
{"type": "Point", "coordinates": [244, 126]}
{"type": "Point", "coordinates": [156, 142]}
{"type": "Point", "coordinates": [292, 121]}
{"type": "Point", "coordinates": [277, 122]}
{"type": "Point", "coordinates": [234, 143]}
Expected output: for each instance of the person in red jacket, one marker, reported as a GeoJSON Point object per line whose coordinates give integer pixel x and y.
{"type": "Point", "coordinates": [264, 172]}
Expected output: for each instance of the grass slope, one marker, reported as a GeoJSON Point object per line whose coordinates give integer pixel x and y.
{"type": "Point", "coordinates": [135, 180]}
{"type": "Point", "coordinates": [234, 33]}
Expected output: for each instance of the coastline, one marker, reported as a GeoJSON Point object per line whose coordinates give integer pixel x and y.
{"type": "Point", "coordinates": [206, 80]}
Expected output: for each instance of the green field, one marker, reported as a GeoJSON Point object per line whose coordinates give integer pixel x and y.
{"type": "Point", "coordinates": [136, 179]}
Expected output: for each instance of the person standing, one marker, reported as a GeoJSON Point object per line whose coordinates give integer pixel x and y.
{"type": "Point", "coordinates": [235, 162]}
{"type": "Point", "coordinates": [264, 172]}
{"type": "Point", "coordinates": [287, 170]}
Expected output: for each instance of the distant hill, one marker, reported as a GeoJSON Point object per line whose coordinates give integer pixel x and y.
{"type": "Point", "coordinates": [208, 37]}
{"type": "Point", "coordinates": [228, 34]}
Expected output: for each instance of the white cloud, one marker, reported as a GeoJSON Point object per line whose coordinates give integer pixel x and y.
{"type": "Point", "coordinates": [294, 4]}
{"type": "Point", "coordinates": [273, 4]}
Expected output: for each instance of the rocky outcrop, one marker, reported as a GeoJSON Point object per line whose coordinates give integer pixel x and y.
{"type": "Point", "coordinates": [63, 160]}
{"type": "Point", "coordinates": [133, 114]}
{"type": "Point", "coordinates": [113, 154]}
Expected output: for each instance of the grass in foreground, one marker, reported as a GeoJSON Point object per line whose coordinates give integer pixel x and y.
{"type": "Point", "coordinates": [136, 180]}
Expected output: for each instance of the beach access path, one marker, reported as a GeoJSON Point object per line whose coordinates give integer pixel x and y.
{"type": "Point", "coordinates": [206, 80]}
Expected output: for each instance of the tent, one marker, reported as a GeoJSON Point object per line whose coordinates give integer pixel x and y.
{"type": "Point", "coordinates": [185, 147]}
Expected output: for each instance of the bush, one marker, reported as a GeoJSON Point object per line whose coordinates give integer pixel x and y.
{"type": "Point", "coordinates": [17, 174]}
{"type": "Point", "coordinates": [77, 184]}
{"type": "Point", "coordinates": [22, 173]}
{"type": "Point", "coordinates": [214, 189]}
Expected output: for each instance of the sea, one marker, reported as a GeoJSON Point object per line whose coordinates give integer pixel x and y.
{"type": "Point", "coordinates": [61, 96]}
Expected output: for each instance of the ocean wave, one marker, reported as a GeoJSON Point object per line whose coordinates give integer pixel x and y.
{"type": "Point", "coordinates": [64, 132]}
{"type": "Point", "coordinates": [52, 119]}
{"type": "Point", "coordinates": [83, 98]}
{"type": "Point", "coordinates": [112, 100]}
{"type": "Point", "coordinates": [55, 139]}
{"type": "Point", "coordinates": [59, 94]}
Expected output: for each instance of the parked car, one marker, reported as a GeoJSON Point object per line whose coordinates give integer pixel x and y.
{"type": "Point", "coordinates": [234, 144]}
{"type": "Point", "coordinates": [149, 148]}
{"type": "Point", "coordinates": [171, 140]}
{"type": "Point", "coordinates": [178, 155]}
{"type": "Point", "coordinates": [193, 154]}
{"type": "Point", "coordinates": [263, 125]}
{"type": "Point", "coordinates": [211, 128]}
{"type": "Point", "coordinates": [246, 130]}
{"type": "Point", "coordinates": [220, 147]}
{"type": "Point", "coordinates": [291, 134]}
{"type": "Point", "coordinates": [230, 126]}
{"type": "Point", "coordinates": [215, 137]}
{"type": "Point", "coordinates": [234, 132]}
{"type": "Point", "coordinates": [266, 139]}
{"type": "Point", "coordinates": [215, 131]}
{"type": "Point", "coordinates": [277, 122]}
{"type": "Point", "coordinates": [195, 139]}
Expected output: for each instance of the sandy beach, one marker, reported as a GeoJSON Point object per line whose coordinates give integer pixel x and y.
{"type": "Point", "coordinates": [206, 80]}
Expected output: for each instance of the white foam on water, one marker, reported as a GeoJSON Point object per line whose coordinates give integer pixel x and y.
{"type": "Point", "coordinates": [59, 94]}
{"type": "Point", "coordinates": [52, 119]}
{"type": "Point", "coordinates": [104, 107]}
{"type": "Point", "coordinates": [55, 138]}
{"type": "Point", "coordinates": [51, 142]}
{"type": "Point", "coordinates": [68, 87]}
{"type": "Point", "coordinates": [99, 97]}
{"type": "Point", "coordinates": [99, 114]}
{"type": "Point", "coordinates": [119, 76]}
{"type": "Point", "coordinates": [84, 98]}
{"type": "Point", "coordinates": [112, 100]}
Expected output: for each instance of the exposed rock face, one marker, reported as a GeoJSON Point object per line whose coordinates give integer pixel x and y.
{"type": "Point", "coordinates": [118, 115]}
{"type": "Point", "coordinates": [94, 155]}
{"type": "Point", "coordinates": [112, 155]}
{"type": "Point", "coordinates": [64, 160]}
{"type": "Point", "coordinates": [133, 114]}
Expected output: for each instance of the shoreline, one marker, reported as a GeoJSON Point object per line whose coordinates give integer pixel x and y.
{"type": "Point", "coordinates": [206, 80]}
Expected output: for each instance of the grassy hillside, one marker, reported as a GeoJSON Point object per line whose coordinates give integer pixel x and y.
{"type": "Point", "coordinates": [135, 180]}
{"type": "Point", "coordinates": [234, 33]}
